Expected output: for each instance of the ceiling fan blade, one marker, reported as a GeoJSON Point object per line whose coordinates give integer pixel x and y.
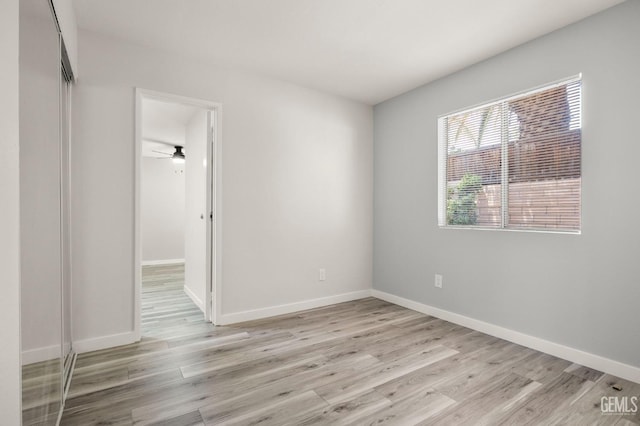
{"type": "Point", "coordinates": [160, 152]}
{"type": "Point", "coordinates": [160, 142]}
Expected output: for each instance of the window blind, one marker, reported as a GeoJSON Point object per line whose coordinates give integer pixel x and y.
{"type": "Point", "coordinates": [514, 163]}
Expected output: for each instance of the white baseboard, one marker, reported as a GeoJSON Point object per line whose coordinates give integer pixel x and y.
{"type": "Point", "coordinates": [47, 353]}
{"type": "Point", "coordinates": [272, 311]}
{"type": "Point", "coordinates": [104, 342]}
{"type": "Point", "coordinates": [161, 262]}
{"type": "Point", "coordinates": [195, 299]}
{"type": "Point", "coordinates": [577, 356]}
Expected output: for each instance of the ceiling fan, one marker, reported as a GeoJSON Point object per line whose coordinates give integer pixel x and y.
{"type": "Point", "coordinates": [177, 156]}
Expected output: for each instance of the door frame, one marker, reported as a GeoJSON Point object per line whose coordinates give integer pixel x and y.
{"type": "Point", "coordinates": [214, 203]}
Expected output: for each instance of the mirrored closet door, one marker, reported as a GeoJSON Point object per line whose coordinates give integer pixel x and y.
{"type": "Point", "coordinates": [65, 211]}
{"type": "Point", "coordinates": [44, 215]}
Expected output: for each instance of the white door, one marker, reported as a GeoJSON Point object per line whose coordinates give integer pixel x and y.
{"type": "Point", "coordinates": [210, 253]}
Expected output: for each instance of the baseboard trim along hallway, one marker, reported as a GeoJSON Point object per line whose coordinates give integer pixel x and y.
{"type": "Point", "coordinates": [162, 262]}
{"type": "Point", "coordinates": [195, 299]}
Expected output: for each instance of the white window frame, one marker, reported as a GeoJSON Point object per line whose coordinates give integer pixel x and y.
{"type": "Point", "coordinates": [443, 156]}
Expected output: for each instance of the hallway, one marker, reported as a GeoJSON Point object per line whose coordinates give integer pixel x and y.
{"type": "Point", "coordinates": [166, 309]}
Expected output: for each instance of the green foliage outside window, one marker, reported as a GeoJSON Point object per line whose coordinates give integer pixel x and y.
{"type": "Point", "coordinates": [462, 201]}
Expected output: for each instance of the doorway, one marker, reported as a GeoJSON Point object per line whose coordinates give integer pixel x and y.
{"type": "Point", "coordinates": [177, 169]}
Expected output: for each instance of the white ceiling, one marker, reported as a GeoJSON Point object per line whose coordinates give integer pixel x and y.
{"type": "Point", "coordinates": [367, 50]}
{"type": "Point", "coordinates": [163, 125]}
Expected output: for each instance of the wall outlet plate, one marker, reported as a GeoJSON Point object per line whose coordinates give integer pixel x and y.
{"type": "Point", "coordinates": [438, 281]}
{"type": "Point", "coordinates": [322, 274]}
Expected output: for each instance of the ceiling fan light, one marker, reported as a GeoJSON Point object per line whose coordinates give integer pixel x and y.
{"type": "Point", "coordinates": [178, 156]}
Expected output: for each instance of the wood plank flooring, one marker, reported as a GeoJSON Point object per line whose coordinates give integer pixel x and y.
{"type": "Point", "coordinates": [366, 362]}
{"type": "Point", "coordinates": [41, 392]}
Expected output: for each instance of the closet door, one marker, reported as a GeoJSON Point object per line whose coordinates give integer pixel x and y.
{"type": "Point", "coordinates": [40, 213]}
{"type": "Point", "coordinates": [65, 210]}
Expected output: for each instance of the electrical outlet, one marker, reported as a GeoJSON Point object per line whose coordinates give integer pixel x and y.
{"type": "Point", "coordinates": [322, 274]}
{"type": "Point", "coordinates": [438, 282]}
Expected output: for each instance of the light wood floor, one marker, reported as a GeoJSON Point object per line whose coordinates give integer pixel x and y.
{"type": "Point", "coordinates": [41, 393]}
{"type": "Point", "coordinates": [367, 362]}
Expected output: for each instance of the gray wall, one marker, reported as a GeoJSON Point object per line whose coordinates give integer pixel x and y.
{"type": "Point", "coordinates": [578, 290]}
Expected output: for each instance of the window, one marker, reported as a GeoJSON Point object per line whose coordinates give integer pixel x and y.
{"type": "Point", "coordinates": [514, 163]}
